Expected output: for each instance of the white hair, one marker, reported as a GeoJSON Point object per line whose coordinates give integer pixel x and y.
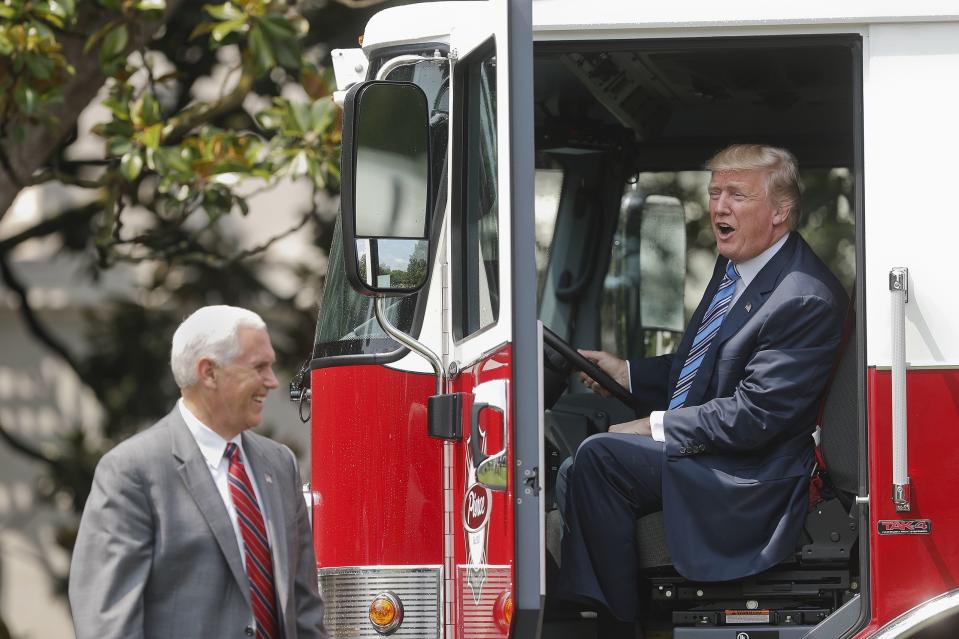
{"type": "Point", "coordinates": [212, 332]}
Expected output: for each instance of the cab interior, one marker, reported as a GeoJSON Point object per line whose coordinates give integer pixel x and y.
{"type": "Point", "coordinates": [625, 250]}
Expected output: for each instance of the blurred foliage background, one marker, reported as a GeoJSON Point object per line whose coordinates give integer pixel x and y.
{"type": "Point", "coordinates": [201, 108]}
{"type": "Point", "coordinates": [197, 102]}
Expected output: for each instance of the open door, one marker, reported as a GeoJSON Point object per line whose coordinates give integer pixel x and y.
{"type": "Point", "coordinates": [494, 565]}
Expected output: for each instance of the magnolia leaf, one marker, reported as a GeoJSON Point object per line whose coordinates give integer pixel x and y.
{"type": "Point", "coordinates": [277, 27]}
{"type": "Point", "coordinates": [131, 164]}
{"type": "Point", "coordinates": [225, 11]}
{"type": "Point", "coordinates": [41, 67]}
{"type": "Point", "coordinates": [150, 136]}
{"type": "Point", "coordinates": [97, 35]}
{"type": "Point", "coordinates": [151, 5]}
{"type": "Point", "coordinates": [303, 115]}
{"type": "Point", "coordinates": [26, 98]}
{"type": "Point", "coordinates": [322, 115]}
{"type": "Point", "coordinates": [114, 44]}
{"type": "Point", "coordinates": [261, 50]}
{"type": "Point", "coordinates": [119, 146]}
{"type": "Point", "coordinates": [288, 53]}
{"type": "Point", "coordinates": [224, 29]}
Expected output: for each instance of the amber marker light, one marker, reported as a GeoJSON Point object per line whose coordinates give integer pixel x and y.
{"type": "Point", "coordinates": [386, 613]}
{"type": "Point", "coordinates": [503, 610]}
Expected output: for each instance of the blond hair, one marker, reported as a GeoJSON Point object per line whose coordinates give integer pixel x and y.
{"type": "Point", "coordinates": [783, 186]}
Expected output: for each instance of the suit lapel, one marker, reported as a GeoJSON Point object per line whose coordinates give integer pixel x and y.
{"type": "Point", "coordinates": [199, 482]}
{"type": "Point", "coordinates": [757, 292]}
{"type": "Point", "coordinates": [745, 307]}
{"type": "Point", "coordinates": [273, 515]}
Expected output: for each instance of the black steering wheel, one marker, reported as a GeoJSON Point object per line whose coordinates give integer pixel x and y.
{"type": "Point", "coordinates": [577, 361]}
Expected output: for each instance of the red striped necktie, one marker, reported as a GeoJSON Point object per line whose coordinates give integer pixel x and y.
{"type": "Point", "coordinates": [259, 562]}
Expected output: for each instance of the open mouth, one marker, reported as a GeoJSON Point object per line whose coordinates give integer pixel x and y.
{"type": "Point", "coordinates": [724, 230]}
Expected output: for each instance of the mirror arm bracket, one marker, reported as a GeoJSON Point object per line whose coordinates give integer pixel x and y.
{"type": "Point", "coordinates": [407, 60]}
{"type": "Point", "coordinates": [410, 343]}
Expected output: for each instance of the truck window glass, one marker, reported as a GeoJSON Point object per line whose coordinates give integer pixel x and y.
{"type": "Point", "coordinates": [478, 262]}
{"type": "Point", "coordinates": [346, 324]}
{"type": "Point", "coordinates": [548, 190]}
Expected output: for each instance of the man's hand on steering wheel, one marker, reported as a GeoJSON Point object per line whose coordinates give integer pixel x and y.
{"type": "Point", "coordinates": [616, 368]}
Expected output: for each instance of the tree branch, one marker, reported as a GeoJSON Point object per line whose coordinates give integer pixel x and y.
{"type": "Point", "coordinates": [51, 225]}
{"type": "Point", "coordinates": [24, 448]}
{"type": "Point", "coordinates": [33, 322]}
{"type": "Point", "coordinates": [193, 116]}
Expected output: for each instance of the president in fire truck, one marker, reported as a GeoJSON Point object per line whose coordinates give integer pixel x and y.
{"type": "Point", "coordinates": [196, 527]}
{"type": "Point", "coordinates": [727, 450]}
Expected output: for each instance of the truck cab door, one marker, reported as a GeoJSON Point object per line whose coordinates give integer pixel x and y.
{"type": "Point", "coordinates": [494, 564]}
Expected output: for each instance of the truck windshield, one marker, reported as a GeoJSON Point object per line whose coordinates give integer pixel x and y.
{"type": "Point", "coordinates": [346, 324]}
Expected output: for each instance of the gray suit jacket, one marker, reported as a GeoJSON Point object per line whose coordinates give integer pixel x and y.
{"type": "Point", "coordinates": [157, 555]}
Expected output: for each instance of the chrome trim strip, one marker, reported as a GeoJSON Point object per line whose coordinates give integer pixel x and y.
{"type": "Point", "coordinates": [348, 591]}
{"type": "Point", "coordinates": [922, 615]}
{"type": "Point", "coordinates": [899, 288]}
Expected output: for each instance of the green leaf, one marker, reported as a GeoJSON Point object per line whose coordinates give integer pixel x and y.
{"type": "Point", "coordinates": [119, 108]}
{"type": "Point", "coordinates": [146, 110]}
{"type": "Point", "coordinates": [269, 119]}
{"type": "Point", "coordinates": [114, 44]}
{"type": "Point", "coordinates": [26, 98]}
{"type": "Point", "coordinates": [151, 5]}
{"type": "Point", "coordinates": [119, 146]}
{"type": "Point", "coordinates": [40, 66]}
{"type": "Point", "coordinates": [174, 159]}
{"type": "Point", "coordinates": [224, 29]}
{"type": "Point", "coordinates": [323, 114]}
{"type": "Point", "coordinates": [288, 53]}
{"type": "Point", "coordinates": [201, 29]}
{"type": "Point", "coordinates": [261, 50]}
{"type": "Point", "coordinates": [150, 136]}
{"type": "Point", "coordinates": [131, 164]}
{"type": "Point", "coordinates": [277, 27]}
{"type": "Point", "coordinates": [225, 11]}
{"type": "Point", "coordinates": [301, 116]}
{"type": "Point", "coordinates": [97, 35]}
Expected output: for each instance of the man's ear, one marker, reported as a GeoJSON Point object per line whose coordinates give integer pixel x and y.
{"type": "Point", "coordinates": [781, 215]}
{"type": "Point", "coordinates": [207, 372]}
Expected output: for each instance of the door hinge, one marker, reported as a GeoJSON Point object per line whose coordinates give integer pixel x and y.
{"type": "Point", "coordinates": [531, 482]}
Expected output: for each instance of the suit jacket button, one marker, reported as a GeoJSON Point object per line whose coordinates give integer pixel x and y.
{"type": "Point", "coordinates": [250, 631]}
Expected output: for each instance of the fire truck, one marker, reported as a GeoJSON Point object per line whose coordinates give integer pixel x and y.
{"type": "Point", "coordinates": [524, 179]}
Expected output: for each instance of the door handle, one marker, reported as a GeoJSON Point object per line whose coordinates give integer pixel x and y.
{"type": "Point", "coordinates": [901, 492]}
{"type": "Point", "coordinates": [491, 470]}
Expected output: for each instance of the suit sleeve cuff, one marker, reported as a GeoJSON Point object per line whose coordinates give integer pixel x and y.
{"type": "Point", "coordinates": [656, 425]}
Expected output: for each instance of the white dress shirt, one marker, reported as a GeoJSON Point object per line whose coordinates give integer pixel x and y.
{"type": "Point", "coordinates": [213, 449]}
{"type": "Point", "coordinates": [748, 271]}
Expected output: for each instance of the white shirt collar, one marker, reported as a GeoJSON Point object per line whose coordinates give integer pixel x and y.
{"type": "Point", "coordinates": [212, 446]}
{"type": "Point", "coordinates": [749, 269]}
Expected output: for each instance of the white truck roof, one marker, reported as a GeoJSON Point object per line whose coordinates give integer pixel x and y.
{"type": "Point", "coordinates": [433, 21]}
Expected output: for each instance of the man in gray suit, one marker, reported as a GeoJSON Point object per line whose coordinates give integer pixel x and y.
{"type": "Point", "coordinates": [196, 527]}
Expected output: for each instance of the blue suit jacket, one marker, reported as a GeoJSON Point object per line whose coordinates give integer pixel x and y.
{"type": "Point", "coordinates": [740, 452]}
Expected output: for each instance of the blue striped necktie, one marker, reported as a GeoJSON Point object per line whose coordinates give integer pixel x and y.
{"type": "Point", "coordinates": [712, 320]}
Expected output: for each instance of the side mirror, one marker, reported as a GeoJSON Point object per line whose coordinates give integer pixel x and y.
{"type": "Point", "coordinates": [385, 181]}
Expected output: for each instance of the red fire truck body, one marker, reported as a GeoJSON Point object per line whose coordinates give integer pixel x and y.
{"type": "Point", "coordinates": [534, 172]}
